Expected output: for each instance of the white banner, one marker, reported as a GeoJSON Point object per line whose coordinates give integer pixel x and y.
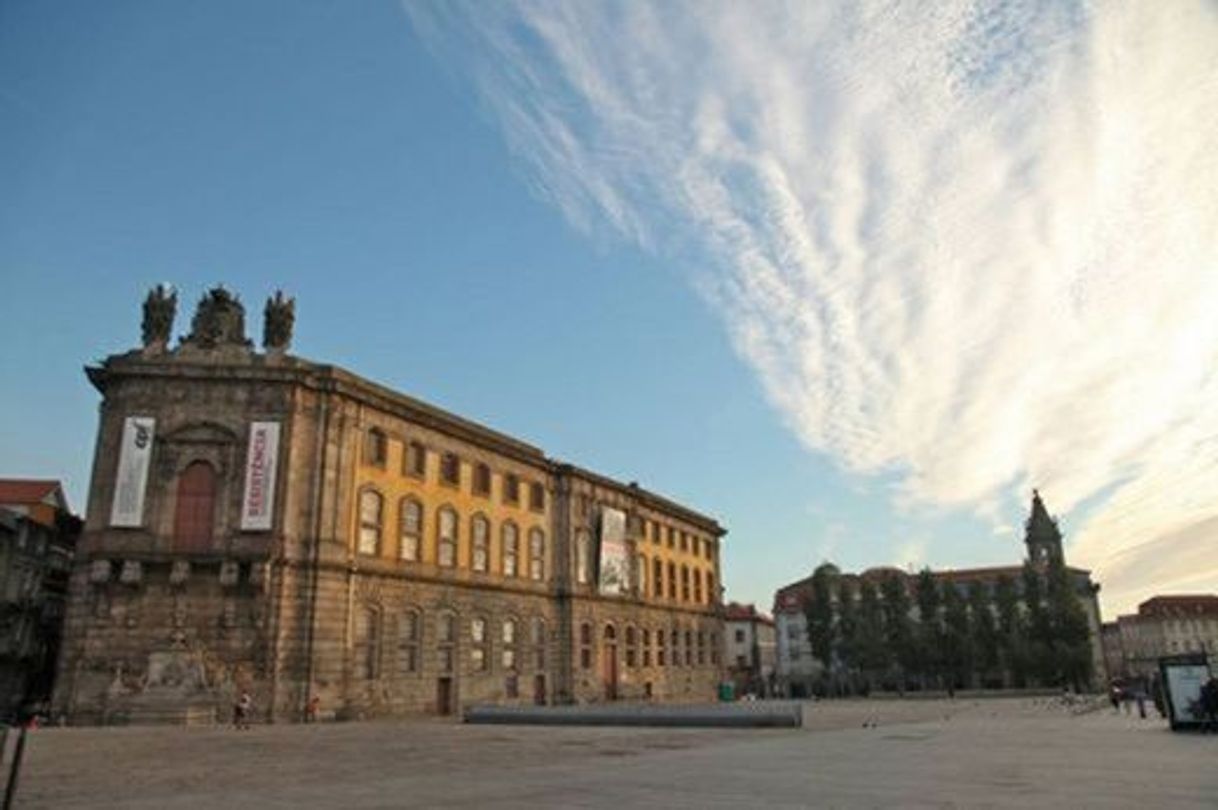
{"type": "Point", "coordinates": [134, 455]}
{"type": "Point", "coordinates": [258, 503]}
{"type": "Point", "coordinates": [614, 558]}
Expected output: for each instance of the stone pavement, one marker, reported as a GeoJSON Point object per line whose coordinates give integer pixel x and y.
{"type": "Point", "coordinates": [919, 753]}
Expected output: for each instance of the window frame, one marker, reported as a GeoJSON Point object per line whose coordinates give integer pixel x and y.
{"type": "Point", "coordinates": [411, 502]}
{"type": "Point", "coordinates": [452, 541]}
{"type": "Point", "coordinates": [362, 524]}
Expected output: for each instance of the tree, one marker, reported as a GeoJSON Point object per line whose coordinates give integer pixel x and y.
{"type": "Point", "coordinates": [929, 633]}
{"type": "Point", "coordinates": [818, 610]}
{"type": "Point", "coordinates": [1041, 655]}
{"type": "Point", "coordinates": [983, 632]}
{"type": "Point", "coordinates": [846, 649]}
{"type": "Point", "coordinates": [1069, 630]}
{"type": "Point", "coordinates": [957, 646]}
{"type": "Point", "coordinates": [898, 629]}
{"type": "Point", "coordinates": [872, 652]}
{"type": "Point", "coordinates": [1012, 642]}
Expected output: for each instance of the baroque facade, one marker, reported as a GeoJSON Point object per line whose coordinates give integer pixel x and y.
{"type": "Point", "coordinates": [798, 670]}
{"type": "Point", "coordinates": [258, 522]}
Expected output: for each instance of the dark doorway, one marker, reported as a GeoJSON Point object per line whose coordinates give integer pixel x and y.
{"type": "Point", "coordinates": [539, 690]}
{"type": "Point", "coordinates": [609, 663]}
{"type": "Point", "coordinates": [444, 696]}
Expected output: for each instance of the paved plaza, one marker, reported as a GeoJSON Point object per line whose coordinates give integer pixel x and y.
{"type": "Point", "coordinates": [880, 753]}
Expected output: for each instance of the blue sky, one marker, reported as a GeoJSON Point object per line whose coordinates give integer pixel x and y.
{"type": "Point", "coordinates": [619, 236]}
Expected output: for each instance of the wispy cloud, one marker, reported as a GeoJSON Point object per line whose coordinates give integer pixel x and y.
{"type": "Point", "coordinates": [974, 246]}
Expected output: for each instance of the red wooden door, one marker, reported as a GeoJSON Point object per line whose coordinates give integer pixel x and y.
{"type": "Point", "coordinates": [194, 514]}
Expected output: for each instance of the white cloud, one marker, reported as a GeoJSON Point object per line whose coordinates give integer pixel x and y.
{"type": "Point", "coordinates": [977, 248]}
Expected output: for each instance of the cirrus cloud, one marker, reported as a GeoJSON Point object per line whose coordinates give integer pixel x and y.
{"type": "Point", "coordinates": [973, 244]}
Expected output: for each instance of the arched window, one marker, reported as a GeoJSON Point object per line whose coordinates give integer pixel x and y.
{"type": "Point", "coordinates": [672, 580]}
{"type": "Point", "coordinates": [660, 651]}
{"type": "Point", "coordinates": [409, 636]}
{"type": "Point", "coordinates": [685, 583]}
{"type": "Point", "coordinates": [632, 647]}
{"type": "Point", "coordinates": [371, 509]}
{"type": "Point", "coordinates": [509, 643]}
{"type": "Point", "coordinates": [411, 529]}
{"type": "Point", "coordinates": [366, 642]}
{"type": "Point", "coordinates": [640, 574]}
{"type": "Point", "coordinates": [537, 554]}
{"type": "Point", "coordinates": [479, 661]}
{"type": "Point", "coordinates": [583, 557]}
{"type": "Point", "coordinates": [480, 534]}
{"type": "Point", "coordinates": [697, 586]}
{"type": "Point", "coordinates": [511, 549]}
{"type": "Point", "coordinates": [446, 640]}
{"type": "Point", "coordinates": [657, 577]}
{"type": "Point", "coordinates": [447, 552]}
{"type": "Point", "coordinates": [646, 647]}
{"type": "Point", "coordinates": [194, 512]}
{"type": "Point", "coordinates": [539, 644]}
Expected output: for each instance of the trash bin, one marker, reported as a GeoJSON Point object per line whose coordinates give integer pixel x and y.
{"type": "Point", "coordinates": [727, 692]}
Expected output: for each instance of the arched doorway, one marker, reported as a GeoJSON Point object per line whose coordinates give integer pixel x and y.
{"type": "Point", "coordinates": [195, 509]}
{"type": "Point", "coordinates": [609, 662]}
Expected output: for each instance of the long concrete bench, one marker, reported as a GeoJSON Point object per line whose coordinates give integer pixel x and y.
{"type": "Point", "coordinates": [730, 715]}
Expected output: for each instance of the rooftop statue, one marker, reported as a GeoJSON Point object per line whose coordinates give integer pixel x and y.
{"type": "Point", "coordinates": [219, 320]}
{"type": "Point", "coordinates": [278, 319]}
{"type": "Point", "coordinates": [159, 309]}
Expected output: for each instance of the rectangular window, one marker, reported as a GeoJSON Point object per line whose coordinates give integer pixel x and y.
{"type": "Point", "coordinates": [414, 459]}
{"type": "Point", "coordinates": [450, 469]}
{"type": "Point", "coordinates": [684, 541]}
{"type": "Point", "coordinates": [537, 497]}
{"type": "Point", "coordinates": [511, 488]}
{"type": "Point", "coordinates": [376, 447]}
{"type": "Point", "coordinates": [482, 480]}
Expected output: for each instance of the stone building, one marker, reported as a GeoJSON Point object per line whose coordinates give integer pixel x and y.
{"type": "Point", "coordinates": [260, 522]}
{"type": "Point", "coordinates": [38, 534]}
{"type": "Point", "coordinates": [798, 670]}
{"type": "Point", "coordinates": [750, 649]}
{"type": "Point", "coordinates": [1164, 625]}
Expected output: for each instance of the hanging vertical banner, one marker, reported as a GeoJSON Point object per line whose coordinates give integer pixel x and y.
{"type": "Point", "coordinates": [258, 504]}
{"type": "Point", "coordinates": [614, 557]}
{"type": "Point", "coordinates": [134, 455]}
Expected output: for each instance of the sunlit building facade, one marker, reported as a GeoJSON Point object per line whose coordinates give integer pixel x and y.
{"type": "Point", "coordinates": [258, 522]}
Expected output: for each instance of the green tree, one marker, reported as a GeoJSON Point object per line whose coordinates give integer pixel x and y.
{"type": "Point", "coordinates": [872, 652]}
{"type": "Point", "coordinates": [1039, 635]}
{"type": "Point", "coordinates": [1012, 633]}
{"type": "Point", "coordinates": [898, 628]}
{"type": "Point", "coordinates": [818, 610]}
{"type": "Point", "coordinates": [983, 631]}
{"type": "Point", "coordinates": [846, 649]}
{"type": "Point", "coordinates": [1069, 629]}
{"type": "Point", "coordinates": [930, 627]}
{"type": "Point", "coordinates": [957, 645]}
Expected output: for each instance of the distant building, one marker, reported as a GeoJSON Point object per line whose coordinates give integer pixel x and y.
{"type": "Point", "coordinates": [261, 522]}
{"type": "Point", "coordinates": [751, 649]}
{"type": "Point", "coordinates": [37, 538]}
{"type": "Point", "coordinates": [798, 670]}
{"type": "Point", "coordinates": [1163, 625]}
